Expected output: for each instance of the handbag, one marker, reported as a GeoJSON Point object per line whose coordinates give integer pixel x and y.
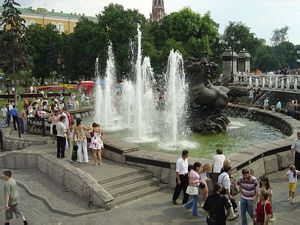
{"type": "Point", "coordinates": [210, 220]}
{"type": "Point", "coordinates": [191, 190]}
{"type": "Point", "coordinates": [272, 220]}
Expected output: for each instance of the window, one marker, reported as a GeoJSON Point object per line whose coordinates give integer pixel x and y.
{"type": "Point", "coordinates": [60, 27]}
{"type": "Point", "coordinates": [32, 22]}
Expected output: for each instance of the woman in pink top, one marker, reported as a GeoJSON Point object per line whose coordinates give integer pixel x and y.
{"type": "Point", "coordinates": [194, 180]}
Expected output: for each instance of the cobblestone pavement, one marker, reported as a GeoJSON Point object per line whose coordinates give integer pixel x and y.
{"type": "Point", "coordinates": [154, 209]}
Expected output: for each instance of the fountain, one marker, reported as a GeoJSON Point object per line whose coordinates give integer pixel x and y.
{"type": "Point", "coordinates": [104, 109]}
{"type": "Point", "coordinates": [176, 97]}
{"type": "Point", "coordinates": [162, 116]}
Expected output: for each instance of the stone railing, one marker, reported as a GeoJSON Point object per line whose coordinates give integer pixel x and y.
{"type": "Point", "coordinates": [63, 173]}
{"type": "Point", "coordinates": [269, 81]}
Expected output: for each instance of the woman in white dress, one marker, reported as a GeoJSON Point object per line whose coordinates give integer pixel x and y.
{"type": "Point", "coordinates": [97, 143]}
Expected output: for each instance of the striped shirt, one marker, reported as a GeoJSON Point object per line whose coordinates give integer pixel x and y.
{"type": "Point", "coordinates": [248, 187]}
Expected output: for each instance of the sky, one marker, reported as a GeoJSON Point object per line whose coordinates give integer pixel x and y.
{"type": "Point", "coordinates": [262, 16]}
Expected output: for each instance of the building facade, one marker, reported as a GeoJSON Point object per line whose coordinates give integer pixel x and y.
{"type": "Point", "coordinates": [64, 22]}
{"type": "Point", "coordinates": [158, 10]}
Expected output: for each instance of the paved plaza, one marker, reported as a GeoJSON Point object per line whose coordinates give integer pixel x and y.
{"type": "Point", "coordinates": [156, 208]}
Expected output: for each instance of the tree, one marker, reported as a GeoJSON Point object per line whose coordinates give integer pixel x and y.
{"type": "Point", "coordinates": [279, 35]}
{"type": "Point", "coordinates": [121, 27]}
{"type": "Point", "coordinates": [238, 36]}
{"type": "Point", "coordinates": [14, 47]}
{"type": "Point", "coordinates": [46, 47]}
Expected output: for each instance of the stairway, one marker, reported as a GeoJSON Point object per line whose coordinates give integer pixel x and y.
{"type": "Point", "coordinates": [131, 186]}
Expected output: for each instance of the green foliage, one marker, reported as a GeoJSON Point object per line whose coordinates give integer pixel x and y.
{"type": "Point", "coordinates": [13, 44]}
{"type": "Point", "coordinates": [279, 35]}
{"type": "Point", "coordinates": [239, 36]}
{"type": "Point", "coordinates": [46, 46]}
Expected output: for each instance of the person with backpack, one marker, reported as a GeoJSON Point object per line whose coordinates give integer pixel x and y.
{"type": "Point", "coordinates": [215, 205]}
{"type": "Point", "coordinates": [224, 181]}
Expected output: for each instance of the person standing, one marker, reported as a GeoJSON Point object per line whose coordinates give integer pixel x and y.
{"type": "Point", "coordinates": [14, 113]}
{"type": "Point", "coordinates": [61, 137]}
{"type": "Point", "coordinates": [296, 149]}
{"type": "Point", "coordinates": [22, 117]}
{"type": "Point", "coordinates": [292, 174]}
{"type": "Point", "coordinates": [11, 196]}
{"type": "Point", "coordinates": [218, 160]}
{"type": "Point", "coordinates": [4, 116]}
{"type": "Point", "coordinates": [54, 119]}
{"type": "Point", "coordinates": [215, 205]}
{"type": "Point", "coordinates": [224, 180]}
{"type": "Point", "coordinates": [264, 210]}
{"type": "Point", "coordinates": [182, 180]}
{"type": "Point", "coordinates": [81, 142]}
{"type": "Point", "coordinates": [97, 143]}
{"type": "Point", "coordinates": [194, 181]}
{"type": "Point", "coordinates": [247, 185]}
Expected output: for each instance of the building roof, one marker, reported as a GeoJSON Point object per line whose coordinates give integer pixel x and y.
{"type": "Point", "coordinates": [58, 15]}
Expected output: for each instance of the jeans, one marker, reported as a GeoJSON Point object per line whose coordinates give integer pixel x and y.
{"type": "Point", "coordinates": [4, 121]}
{"type": "Point", "coordinates": [21, 125]}
{"type": "Point", "coordinates": [193, 203]}
{"type": "Point", "coordinates": [246, 206]}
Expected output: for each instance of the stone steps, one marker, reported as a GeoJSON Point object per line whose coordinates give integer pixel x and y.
{"type": "Point", "coordinates": [139, 193]}
{"type": "Point", "coordinates": [126, 180]}
{"type": "Point", "coordinates": [119, 177]}
{"type": "Point", "coordinates": [130, 186]}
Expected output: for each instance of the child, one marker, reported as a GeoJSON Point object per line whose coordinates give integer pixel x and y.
{"type": "Point", "coordinates": [292, 176]}
{"type": "Point", "coordinates": [97, 143]}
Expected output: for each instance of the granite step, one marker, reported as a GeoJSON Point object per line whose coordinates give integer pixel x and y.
{"type": "Point", "coordinates": [139, 193]}
{"type": "Point", "coordinates": [127, 179]}
{"type": "Point", "coordinates": [130, 188]}
{"type": "Point", "coordinates": [122, 176]}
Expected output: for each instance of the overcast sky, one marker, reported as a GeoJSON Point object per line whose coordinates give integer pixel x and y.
{"type": "Point", "coordinates": [262, 16]}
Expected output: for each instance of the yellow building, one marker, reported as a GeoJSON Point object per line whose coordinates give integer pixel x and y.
{"type": "Point", "coordinates": [64, 22]}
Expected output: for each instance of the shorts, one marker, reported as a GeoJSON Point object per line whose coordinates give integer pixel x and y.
{"type": "Point", "coordinates": [13, 209]}
{"type": "Point", "coordinates": [292, 187]}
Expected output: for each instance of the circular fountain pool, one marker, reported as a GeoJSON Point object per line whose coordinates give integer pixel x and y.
{"type": "Point", "coordinates": [241, 133]}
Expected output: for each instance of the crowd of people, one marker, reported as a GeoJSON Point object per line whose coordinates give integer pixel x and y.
{"type": "Point", "coordinates": [211, 187]}
{"type": "Point", "coordinates": [68, 134]}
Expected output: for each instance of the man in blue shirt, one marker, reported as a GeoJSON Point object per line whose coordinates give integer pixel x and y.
{"type": "Point", "coordinates": [14, 113]}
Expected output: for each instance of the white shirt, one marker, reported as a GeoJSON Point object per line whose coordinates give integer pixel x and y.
{"type": "Point", "coordinates": [66, 121]}
{"type": "Point", "coordinates": [278, 105]}
{"type": "Point", "coordinates": [296, 145]}
{"type": "Point", "coordinates": [290, 175]}
{"type": "Point", "coordinates": [218, 161]}
{"type": "Point", "coordinates": [4, 112]}
{"type": "Point", "coordinates": [61, 129]}
{"type": "Point", "coordinates": [182, 166]}
{"type": "Point", "coordinates": [224, 180]}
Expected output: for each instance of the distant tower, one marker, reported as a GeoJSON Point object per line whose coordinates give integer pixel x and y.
{"type": "Point", "coordinates": [158, 10]}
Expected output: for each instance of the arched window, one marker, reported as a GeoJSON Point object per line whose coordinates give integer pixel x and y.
{"type": "Point", "coordinates": [159, 2]}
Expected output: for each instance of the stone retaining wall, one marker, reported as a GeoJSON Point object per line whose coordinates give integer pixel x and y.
{"type": "Point", "coordinates": [63, 173]}
{"type": "Point", "coordinates": [262, 158]}
{"type": "Point", "coordinates": [15, 143]}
